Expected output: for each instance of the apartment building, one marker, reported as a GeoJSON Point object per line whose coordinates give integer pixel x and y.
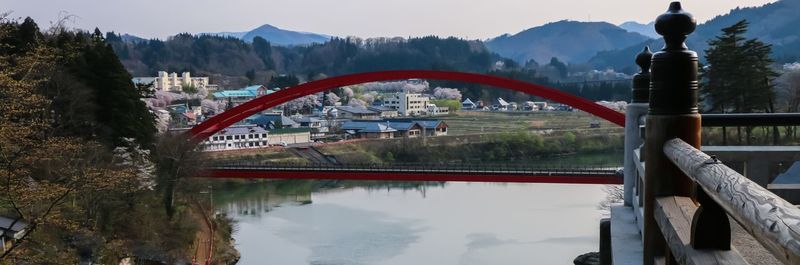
{"type": "Point", "coordinates": [407, 104]}
{"type": "Point", "coordinates": [171, 82]}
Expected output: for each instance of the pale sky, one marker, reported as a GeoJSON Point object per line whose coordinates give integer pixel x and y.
{"type": "Point", "coordinates": [472, 19]}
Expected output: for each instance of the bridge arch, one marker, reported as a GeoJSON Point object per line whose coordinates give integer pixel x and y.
{"type": "Point", "coordinates": [247, 109]}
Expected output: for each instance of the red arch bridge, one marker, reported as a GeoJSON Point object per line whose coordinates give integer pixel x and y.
{"type": "Point", "coordinates": [404, 172]}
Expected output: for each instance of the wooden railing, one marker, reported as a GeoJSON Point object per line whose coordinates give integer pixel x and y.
{"type": "Point", "coordinates": [680, 196]}
{"type": "Point", "coordinates": [774, 222]}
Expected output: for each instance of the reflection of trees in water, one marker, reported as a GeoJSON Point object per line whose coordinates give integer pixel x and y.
{"type": "Point", "coordinates": [257, 198]}
{"type": "Point", "coordinates": [262, 203]}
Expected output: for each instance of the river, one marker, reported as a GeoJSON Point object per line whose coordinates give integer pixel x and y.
{"type": "Point", "coordinates": [319, 222]}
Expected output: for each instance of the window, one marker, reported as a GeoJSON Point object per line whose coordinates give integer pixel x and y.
{"type": "Point", "coordinates": [229, 138]}
{"type": "Point", "coordinates": [250, 144]}
{"type": "Point", "coordinates": [263, 135]}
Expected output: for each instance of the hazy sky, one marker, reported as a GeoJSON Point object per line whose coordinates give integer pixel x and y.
{"type": "Point", "coordinates": [474, 19]}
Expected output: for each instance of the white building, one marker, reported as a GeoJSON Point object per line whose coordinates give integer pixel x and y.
{"type": "Point", "coordinates": [407, 104]}
{"type": "Point", "coordinates": [237, 137]}
{"type": "Point", "coordinates": [173, 83]}
{"type": "Point", "coordinates": [434, 110]}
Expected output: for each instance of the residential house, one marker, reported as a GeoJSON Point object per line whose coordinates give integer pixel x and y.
{"type": "Point", "coordinates": [408, 128]}
{"type": "Point", "coordinates": [468, 105]}
{"type": "Point", "coordinates": [384, 112]}
{"type": "Point", "coordinates": [242, 95]}
{"type": "Point", "coordinates": [407, 104]}
{"type": "Point", "coordinates": [289, 136]}
{"type": "Point", "coordinates": [369, 129]}
{"type": "Point", "coordinates": [11, 230]}
{"type": "Point", "coordinates": [172, 83]}
{"type": "Point", "coordinates": [433, 127]}
{"type": "Point", "coordinates": [357, 113]}
{"type": "Point", "coordinates": [272, 121]}
{"type": "Point", "coordinates": [501, 105]}
{"type": "Point", "coordinates": [434, 110]}
{"type": "Point", "coordinates": [317, 126]}
{"type": "Point", "coordinates": [237, 137]}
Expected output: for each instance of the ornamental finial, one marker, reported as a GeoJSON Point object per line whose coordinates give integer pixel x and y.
{"type": "Point", "coordinates": [675, 25]}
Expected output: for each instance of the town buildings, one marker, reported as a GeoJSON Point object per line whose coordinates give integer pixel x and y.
{"type": "Point", "coordinates": [237, 137]}
{"type": "Point", "coordinates": [384, 112]}
{"type": "Point", "coordinates": [242, 95]}
{"type": "Point", "coordinates": [385, 129]}
{"type": "Point", "coordinates": [407, 104]}
{"type": "Point", "coordinates": [171, 82]}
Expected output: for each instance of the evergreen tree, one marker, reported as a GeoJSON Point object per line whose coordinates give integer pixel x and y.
{"type": "Point", "coordinates": [119, 111]}
{"type": "Point", "coordinates": [737, 77]}
{"type": "Point", "coordinates": [560, 67]}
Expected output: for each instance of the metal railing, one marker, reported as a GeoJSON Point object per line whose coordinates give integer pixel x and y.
{"type": "Point", "coordinates": [458, 168]}
{"type": "Point", "coordinates": [750, 119]}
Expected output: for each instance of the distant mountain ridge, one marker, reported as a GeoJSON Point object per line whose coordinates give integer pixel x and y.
{"type": "Point", "coordinates": [775, 23]}
{"type": "Point", "coordinates": [644, 29]}
{"type": "Point", "coordinates": [569, 41]}
{"type": "Point", "coordinates": [276, 36]}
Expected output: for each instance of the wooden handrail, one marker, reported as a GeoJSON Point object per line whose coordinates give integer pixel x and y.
{"type": "Point", "coordinates": [674, 216]}
{"type": "Point", "coordinates": [773, 221]}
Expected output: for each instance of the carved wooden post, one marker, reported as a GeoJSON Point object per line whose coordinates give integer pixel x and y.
{"type": "Point", "coordinates": [673, 113]}
{"type": "Point", "coordinates": [637, 108]}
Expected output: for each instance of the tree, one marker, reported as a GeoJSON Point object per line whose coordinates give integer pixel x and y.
{"type": "Point", "coordinates": [452, 104]}
{"type": "Point", "coordinates": [737, 76]}
{"type": "Point", "coordinates": [189, 89]}
{"type": "Point", "coordinates": [283, 81]}
{"type": "Point", "coordinates": [120, 112]}
{"type": "Point", "coordinates": [559, 66]}
{"type": "Point", "coordinates": [41, 169]}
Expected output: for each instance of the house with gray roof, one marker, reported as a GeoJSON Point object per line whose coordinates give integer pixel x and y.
{"type": "Point", "coordinates": [11, 230]}
{"type": "Point", "coordinates": [468, 105]}
{"type": "Point", "coordinates": [407, 128]}
{"type": "Point", "coordinates": [357, 113]}
{"type": "Point", "coordinates": [271, 121]}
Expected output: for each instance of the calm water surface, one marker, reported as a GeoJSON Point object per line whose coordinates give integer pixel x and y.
{"type": "Point", "coordinates": [450, 223]}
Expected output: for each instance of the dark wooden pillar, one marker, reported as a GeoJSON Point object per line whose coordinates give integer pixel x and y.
{"type": "Point", "coordinates": [672, 113]}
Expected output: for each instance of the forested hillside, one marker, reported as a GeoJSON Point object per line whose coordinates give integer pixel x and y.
{"type": "Point", "coordinates": [240, 62]}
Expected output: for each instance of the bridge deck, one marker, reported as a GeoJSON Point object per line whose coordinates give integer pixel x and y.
{"type": "Point", "coordinates": [419, 173]}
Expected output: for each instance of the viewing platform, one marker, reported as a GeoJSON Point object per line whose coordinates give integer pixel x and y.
{"type": "Point", "coordinates": [683, 203]}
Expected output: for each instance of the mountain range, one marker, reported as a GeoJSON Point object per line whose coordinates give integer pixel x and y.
{"type": "Point", "coordinates": [569, 41]}
{"type": "Point", "coordinates": [599, 44]}
{"type": "Point", "coordinates": [775, 23]}
{"type": "Point", "coordinates": [276, 36]}
{"type": "Point", "coordinates": [648, 29]}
